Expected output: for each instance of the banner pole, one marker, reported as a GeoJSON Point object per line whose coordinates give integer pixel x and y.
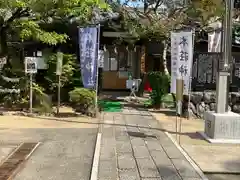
{"type": "Point", "coordinates": [31, 92]}
{"type": "Point", "coordinates": [190, 78]}
{"type": "Point", "coordinates": [59, 94]}
{"type": "Point", "coordinates": [58, 73]}
{"type": "Point", "coordinates": [98, 45]}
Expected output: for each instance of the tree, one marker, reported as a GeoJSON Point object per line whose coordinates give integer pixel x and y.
{"type": "Point", "coordinates": [159, 17]}
{"type": "Point", "coordinates": [22, 20]}
{"type": "Point", "coordinates": [35, 20]}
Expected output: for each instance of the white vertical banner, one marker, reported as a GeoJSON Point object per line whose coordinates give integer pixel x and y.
{"type": "Point", "coordinates": [214, 41]}
{"type": "Point", "coordinates": [182, 59]}
{"type": "Point", "coordinates": [214, 37]}
{"type": "Point", "coordinates": [174, 60]}
{"type": "Point", "coordinates": [210, 40]}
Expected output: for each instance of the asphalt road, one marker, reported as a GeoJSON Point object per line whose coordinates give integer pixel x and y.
{"type": "Point", "coordinates": [65, 154]}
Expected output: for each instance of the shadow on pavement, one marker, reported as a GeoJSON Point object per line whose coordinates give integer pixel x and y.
{"type": "Point", "coordinates": [169, 173]}
{"type": "Point", "coordinates": [193, 135]}
{"type": "Point", "coordinates": [234, 165]}
{"type": "Point", "coordinates": [140, 134]}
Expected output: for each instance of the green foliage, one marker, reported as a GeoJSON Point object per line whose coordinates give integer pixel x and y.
{"type": "Point", "coordinates": [35, 20]}
{"type": "Point", "coordinates": [32, 30]}
{"type": "Point", "coordinates": [70, 77]}
{"type": "Point", "coordinates": [22, 20]}
{"type": "Point", "coordinates": [20, 100]}
{"type": "Point", "coordinates": [82, 99]}
{"type": "Point", "coordinates": [69, 68]}
{"type": "Point", "coordinates": [154, 23]}
{"type": "Point", "coordinates": [42, 102]}
{"type": "Point", "coordinates": [160, 86]}
{"type": "Point", "coordinates": [204, 10]}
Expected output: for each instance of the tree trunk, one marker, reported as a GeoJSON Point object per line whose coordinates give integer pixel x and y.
{"type": "Point", "coordinates": [165, 44]}
{"type": "Point", "coordinates": [3, 43]}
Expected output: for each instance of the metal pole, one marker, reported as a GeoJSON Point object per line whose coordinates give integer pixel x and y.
{"type": "Point", "coordinates": [190, 80]}
{"type": "Point", "coordinates": [180, 131]}
{"type": "Point", "coordinates": [228, 43]}
{"type": "Point", "coordinates": [228, 32]}
{"type": "Point", "coordinates": [189, 96]}
{"type": "Point", "coordinates": [59, 94]}
{"type": "Point", "coordinates": [223, 73]}
{"type": "Point", "coordinates": [58, 73]}
{"type": "Point", "coordinates": [31, 93]}
{"type": "Point", "coordinates": [98, 44]}
{"type": "Point", "coordinates": [176, 130]}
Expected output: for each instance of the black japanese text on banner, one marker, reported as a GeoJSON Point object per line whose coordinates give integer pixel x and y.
{"type": "Point", "coordinates": [181, 59]}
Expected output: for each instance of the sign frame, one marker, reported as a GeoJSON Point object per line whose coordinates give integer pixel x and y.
{"type": "Point", "coordinates": [32, 60]}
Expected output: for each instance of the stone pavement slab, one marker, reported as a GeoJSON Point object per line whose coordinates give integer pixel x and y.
{"type": "Point", "coordinates": [140, 150]}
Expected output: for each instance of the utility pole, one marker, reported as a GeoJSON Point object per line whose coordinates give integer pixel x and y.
{"type": "Point", "coordinates": [224, 65]}
{"type": "Point", "coordinates": [222, 126]}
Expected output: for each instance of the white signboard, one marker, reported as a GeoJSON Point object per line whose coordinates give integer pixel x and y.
{"type": "Point", "coordinates": [41, 64]}
{"type": "Point", "coordinates": [181, 59]}
{"type": "Point", "coordinates": [100, 58]}
{"type": "Point", "coordinates": [39, 53]}
{"type": "Point", "coordinates": [114, 64]}
{"type": "Point", "coordinates": [30, 65]}
{"type": "Point", "coordinates": [59, 64]}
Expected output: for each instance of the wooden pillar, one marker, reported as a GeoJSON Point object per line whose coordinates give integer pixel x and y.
{"type": "Point", "coordinates": [142, 59]}
{"type": "Point", "coordinates": [142, 69]}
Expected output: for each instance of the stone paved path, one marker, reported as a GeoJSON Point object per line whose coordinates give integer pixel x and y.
{"type": "Point", "coordinates": [134, 148]}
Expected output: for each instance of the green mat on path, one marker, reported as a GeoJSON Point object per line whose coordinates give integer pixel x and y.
{"type": "Point", "coordinates": [110, 106]}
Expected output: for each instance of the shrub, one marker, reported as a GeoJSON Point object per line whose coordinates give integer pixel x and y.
{"type": "Point", "coordinates": [160, 85]}
{"type": "Point", "coordinates": [20, 101]}
{"type": "Point", "coordinates": [42, 102]}
{"type": "Point", "coordinates": [82, 100]}
{"type": "Point", "coordinates": [70, 77]}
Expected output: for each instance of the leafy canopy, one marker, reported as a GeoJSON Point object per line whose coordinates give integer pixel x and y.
{"type": "Point", "coordinates": [22, 19]}
{"type": "Point", "coordinates": [159, 17]}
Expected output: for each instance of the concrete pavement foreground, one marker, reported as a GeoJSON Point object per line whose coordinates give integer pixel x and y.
{"type": "Point", "coordinates": [66, 149]}
{"type": "Point", "coordinates": [134, 148]}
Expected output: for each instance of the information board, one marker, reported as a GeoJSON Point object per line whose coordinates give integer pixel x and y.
{"type": "Point", "coordinates": [30, 65]}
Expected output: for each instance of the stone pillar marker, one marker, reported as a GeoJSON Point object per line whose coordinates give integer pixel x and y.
{"type": "Point", "coordinates": [223, 126]}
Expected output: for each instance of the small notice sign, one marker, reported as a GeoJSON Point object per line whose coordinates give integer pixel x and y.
{"type": "Point", "coordinates": [30, 65]}
{"type": "Point", "coordinates": [59, 63]}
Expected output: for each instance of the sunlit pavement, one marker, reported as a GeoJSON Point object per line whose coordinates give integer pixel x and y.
{"type": "Point", "coordinates": [64, 153]}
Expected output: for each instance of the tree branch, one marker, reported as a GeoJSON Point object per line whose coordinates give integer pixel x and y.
{"type": "Point", "coordinates": [159, 3]}
{"type": "Point", "coordinates": [17, 14]}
